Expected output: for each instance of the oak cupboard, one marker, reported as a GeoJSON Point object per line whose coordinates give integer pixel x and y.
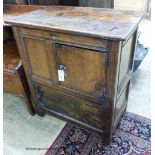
{"type": "Point", "coordinates": [78, 62]}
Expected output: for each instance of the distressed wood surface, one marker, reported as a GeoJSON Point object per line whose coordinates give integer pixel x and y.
{"type": "Point", "coordinates": [10, 10]}
{"type": "Point", "coordinates": [88, 42]}
{"type": "Point", "coordinates": [70, 106]}
{"type": "Point", "coordinates": [104, 23]}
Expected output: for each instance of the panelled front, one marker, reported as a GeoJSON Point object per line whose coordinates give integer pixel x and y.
{"type": "Point", "coordinates": [70, 107]}
{"type": "Point", "coordinates": [78, 62]}
{"type": "Point", "coordinates": [80, 97]}
{"type": "Point", "coordinates": [84, 64]}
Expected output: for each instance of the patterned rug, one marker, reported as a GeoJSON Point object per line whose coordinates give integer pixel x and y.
{"type": "Point", "coordinates": [132, 137]}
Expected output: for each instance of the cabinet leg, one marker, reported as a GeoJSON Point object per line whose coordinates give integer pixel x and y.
{"type": "Point", "coordinates": [107, 136]}
{"type": "Point", "coordinates": [26, 92]}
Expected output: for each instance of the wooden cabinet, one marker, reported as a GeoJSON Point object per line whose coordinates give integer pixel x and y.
{"type": "Point", "coordinates": [78, 62]}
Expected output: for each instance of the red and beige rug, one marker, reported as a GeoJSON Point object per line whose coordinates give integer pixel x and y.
{"type": "Point", "coordinates": [132, 137]}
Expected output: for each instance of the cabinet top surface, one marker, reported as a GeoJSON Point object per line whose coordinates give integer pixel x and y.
{"type": "Point", "coordinates": [10, 10]}
{"type": "Point", "coordinates": [97, 22]}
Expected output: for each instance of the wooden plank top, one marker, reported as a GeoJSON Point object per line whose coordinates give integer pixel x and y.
{"type": "Point", "coordinates": [97, 22]}
{"type": "Point", "coordinates": [10, 10]}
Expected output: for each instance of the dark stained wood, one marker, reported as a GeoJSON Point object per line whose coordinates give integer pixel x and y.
{"type": "Point", "coordinates": [112, 80]}
{"type": "Point", "coordinates": [90, 114]}
{"type": "Point", "coordinates": [93, 74]}
{"type": "Point", "coordinates": [44, 52]}
{"type": "Point", "coordinates": [26, 91]}
{"type": "Point", "coordinates": [97, 62]}
{"type": "Point", "coordinates": [103, 23]}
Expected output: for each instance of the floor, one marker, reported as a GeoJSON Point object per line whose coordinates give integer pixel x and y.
{"type": "Point", "coordinates": [23, 131]}
{"type": "Point", "coordinates": [140, 91]}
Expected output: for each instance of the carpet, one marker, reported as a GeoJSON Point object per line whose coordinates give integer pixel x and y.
{"type": "Point", "coordinates": [140, 54]}
{"type": "Point", "coordinates": [132, 137]}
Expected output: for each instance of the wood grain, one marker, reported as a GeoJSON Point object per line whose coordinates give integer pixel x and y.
{"type": "Point", "coordinates": [105, 23]}
{"type": "Point", "coordinates": [91, 77]}
{"type": "Point", "coordinates": [70, 106]}
{"type": "Point", "coordinates": [95, 48]}
{"type": "Point", "coordinates": [10, 10]}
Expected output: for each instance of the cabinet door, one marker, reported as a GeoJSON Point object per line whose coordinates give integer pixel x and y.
{"type": "Point", "coordinates": [85, 70]}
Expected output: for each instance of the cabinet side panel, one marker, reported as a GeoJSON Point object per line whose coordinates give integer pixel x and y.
{"type": "Point", "coordinates": [126, 56]}
{"type": "Point", "coordinates": [121, 103]}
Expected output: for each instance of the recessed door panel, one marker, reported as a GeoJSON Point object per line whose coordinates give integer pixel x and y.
{"type": "Point", "coordinates": [84, 69]}
{"type": "Point", "coordinates": [37, 57]}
